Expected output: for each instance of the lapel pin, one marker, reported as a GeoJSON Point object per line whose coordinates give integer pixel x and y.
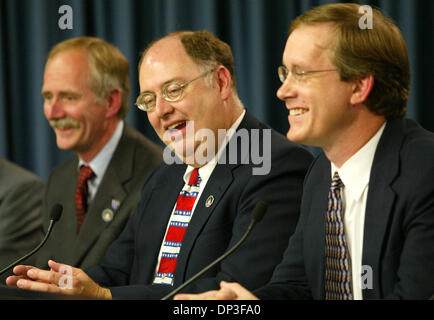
{"type": "Point", "coordinates": [115, 204]}
{"type": "Point", "coordinates": [209, 201]}
{"type": "Point", "coordinates": [107, 215]}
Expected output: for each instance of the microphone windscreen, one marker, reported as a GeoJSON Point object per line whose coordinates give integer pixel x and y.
{"type": "Point", "coordinates": [259, 210]}
{"type": "Point", "coordinates": [56, 212]}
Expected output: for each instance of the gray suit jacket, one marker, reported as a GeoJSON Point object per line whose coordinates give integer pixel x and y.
{"type": "Point", "coordinates": [21, 194]}
{"type": "Point", "coordinates": [119, 191]}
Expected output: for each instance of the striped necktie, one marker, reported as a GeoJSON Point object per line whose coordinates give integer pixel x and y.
{"type": "Point", "coordinates": [177, 227]}
{"type": "Point", "coordinates": [337, 264]}
{"type": "Point", "coordinates": [81, 194]}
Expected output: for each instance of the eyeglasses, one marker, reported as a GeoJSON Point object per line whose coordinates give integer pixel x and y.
{"type": "Point", "coordinates": [171, 91]}
{"type": "Point", "coordinates": [296, 73]}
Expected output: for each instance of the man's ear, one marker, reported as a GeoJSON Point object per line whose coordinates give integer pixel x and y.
{"type": "Point", "coordinates": [114, 102]}
{"type": "Point", "coordinates": [224, 81]}
{"type": "Point", "coordinates": [362, 87]}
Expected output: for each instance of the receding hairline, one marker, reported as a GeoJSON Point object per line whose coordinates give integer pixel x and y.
{"type": "Point", "coordinates": [175, 35]}
{"type": "Point", "coordinates": [75, 50]}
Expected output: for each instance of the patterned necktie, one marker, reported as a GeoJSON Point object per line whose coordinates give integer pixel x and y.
{"type": "Point", "coordinates": [81, 194]}
{"type": "Point", "coordinates": [177, 227]}
{"type": "Point", "coordinates": [337, 266]}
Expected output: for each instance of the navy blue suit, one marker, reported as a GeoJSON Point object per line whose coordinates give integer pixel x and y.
{"type": "Point", "coordinates": [129, 264]}
{"type": "Point", "coordinates": [398, 242]}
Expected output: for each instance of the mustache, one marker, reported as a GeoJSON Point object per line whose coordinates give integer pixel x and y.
{"type": "Point", "coordinates": [64, 123]}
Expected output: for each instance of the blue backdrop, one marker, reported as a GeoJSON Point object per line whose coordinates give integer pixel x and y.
{"type": "Point", "coordinates": [256, 30]}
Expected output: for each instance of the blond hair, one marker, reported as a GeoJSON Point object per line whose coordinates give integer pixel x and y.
{"type": "Point", "coordinates": [380, 51]}
{"type": "Point", "coordinates": [108, 67]}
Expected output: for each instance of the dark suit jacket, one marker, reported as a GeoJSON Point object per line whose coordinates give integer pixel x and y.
{"type": "Point", "coordinates": [134, 158]}
{"type": "Point", "coordinates": [398, 241]}
{"type": "Point", "coordinates": [21, 194]}
{"type": "Point", "coordinates": [129, 265]}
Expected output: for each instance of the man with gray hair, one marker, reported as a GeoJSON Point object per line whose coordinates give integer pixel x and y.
{"type": "Point", "coordinates": [86, 90]}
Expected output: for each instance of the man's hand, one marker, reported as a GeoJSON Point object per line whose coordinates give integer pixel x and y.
{"type": "Point", "coordinates": [60, 279]}
{"type": "Point", "coordinates": [228, 291]}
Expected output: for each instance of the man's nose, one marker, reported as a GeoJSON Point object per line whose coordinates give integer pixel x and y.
{"type": "Point", "coordinates": [53, 109]}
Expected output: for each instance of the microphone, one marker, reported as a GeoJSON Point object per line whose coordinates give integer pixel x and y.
{"type": "Point", "coordinates": [257, 215]}
{"type": "Point", "coordinates": [55, 214]}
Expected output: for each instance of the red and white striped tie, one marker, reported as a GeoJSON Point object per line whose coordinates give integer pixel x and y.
{"type": "Point", "coordinates": [177, 227]}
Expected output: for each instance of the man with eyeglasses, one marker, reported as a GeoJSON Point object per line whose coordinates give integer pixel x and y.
{"type": "Point", "coordinates": [366, 229]}
{"type": "Point", "coordinates": [192, 212]}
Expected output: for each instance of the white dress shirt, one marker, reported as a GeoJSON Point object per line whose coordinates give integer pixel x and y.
{"type": "Point", "coordinates": [355, 173]}
{"type": "Point", "coordinates": [101, 161]}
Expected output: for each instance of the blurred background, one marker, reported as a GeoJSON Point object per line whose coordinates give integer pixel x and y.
{"type": "Point", "coordinates": [255, 29]}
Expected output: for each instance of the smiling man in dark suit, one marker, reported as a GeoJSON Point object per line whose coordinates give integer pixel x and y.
{"type": "Point", "coordinates": [366, 229]}
{"type": "Point", "coordinates": [86, 91]}
{"type": "Point", "coordinates": [196, 206]}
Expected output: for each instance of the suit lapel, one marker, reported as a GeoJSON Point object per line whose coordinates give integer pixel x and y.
{"type": "Point", "coordinates": [219, 181]}
{"type": "Point", "coordinates": [315, 238]}
{"type": "Point", "coordinates": [381, 198]}
{"type": "Point", "coordinates": [94, 224]}
{"type": "Point", "coordinates": [111, 188]}
{"type": "Point", "coordinates": [67, 226]}
{"type": "Point", "coordinates": [163, 197]}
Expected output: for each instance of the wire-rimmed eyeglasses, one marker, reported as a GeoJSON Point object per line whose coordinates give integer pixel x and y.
{"type": "Point", "coordinates": [171, 91]}
{"type": "Point", "coordinates": [296, 72]}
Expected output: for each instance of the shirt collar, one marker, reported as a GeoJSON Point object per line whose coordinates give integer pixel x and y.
{"type": "Point", "coordinates": [355, 172]}
{"type": "Point", "coordinates": [100, 162]}
{"type": "Point", "coordinates": [207, 169]}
